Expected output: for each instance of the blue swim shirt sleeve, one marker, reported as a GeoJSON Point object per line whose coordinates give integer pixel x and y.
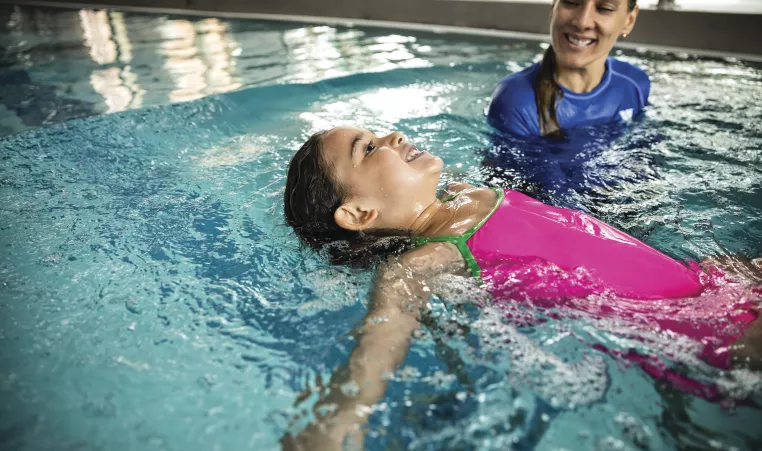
{"type": "Point", "coordinates": [512, 108]}
{"type": "Point", "coordinates": [634, 76]}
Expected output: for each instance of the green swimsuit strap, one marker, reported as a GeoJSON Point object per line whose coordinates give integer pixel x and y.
{"type": "Point", "coordinates": [451, 197]}
{"type": "Point", "coordinates": [460, 241]}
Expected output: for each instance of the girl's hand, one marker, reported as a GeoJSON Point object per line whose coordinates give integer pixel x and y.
{"type": "Point", "coordinates": [325, 437]}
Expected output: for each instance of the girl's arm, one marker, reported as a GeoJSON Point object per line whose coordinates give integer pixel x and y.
{"type": "Point", "coordinates": [399, 294]}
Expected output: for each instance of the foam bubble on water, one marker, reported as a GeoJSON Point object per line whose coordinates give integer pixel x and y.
{"type": "Point", "coordinates": [610, 443]}
{"type": "Point", "coordinates": [459, 289]}
{"type": "Point", "coordinates": [440, 379]}
{"type": "Point", "coordinates": [236, 150]}
{"type": "Point", "coordinates": [562, 384]}
{"type": "Point", "coordinates": [638, 433]}
{"type": "Point", "coordinates": [626, 336]}
{"type": "Point", "coordinates": [740, 383]}
{"type": "Point", "coordinates": [334, 290]}
{"type": "Point", "coordinates": [692, 331]}
{"type": "Point", "coordinates": [409, 373]}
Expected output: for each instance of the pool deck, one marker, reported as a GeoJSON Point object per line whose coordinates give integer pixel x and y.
{"type": "Point", "coordinates": [688, 28]}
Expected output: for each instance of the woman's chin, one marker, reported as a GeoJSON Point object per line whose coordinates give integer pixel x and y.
{"type": "Point", "coordinates": [574, 62]}
{"type": "Point", "coordinates": [578, 60]}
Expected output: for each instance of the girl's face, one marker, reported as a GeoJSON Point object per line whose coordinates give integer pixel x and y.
{"type": "Point", "coordinates": [388, 180]}
{"type": "Point", "coordinates": [583, 32]}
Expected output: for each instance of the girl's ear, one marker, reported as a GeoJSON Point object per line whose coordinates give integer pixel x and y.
{"type": "Point", "coordinates": [353, 216]}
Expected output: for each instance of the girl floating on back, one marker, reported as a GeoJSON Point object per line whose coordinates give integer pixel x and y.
{"type": "Point", "coordinates": [358, 198]}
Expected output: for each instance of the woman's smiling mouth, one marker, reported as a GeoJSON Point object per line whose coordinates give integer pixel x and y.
{"type": "Point", "coordinates": [578, 41]}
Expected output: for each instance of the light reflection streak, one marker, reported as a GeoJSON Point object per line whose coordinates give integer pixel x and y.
{"type": "Point", "coordinates": [200, 58]}
{"type": "Point", "coordinates": [313, 52]}
{"type": "Point", "coordinates": [123, 45]}
{"type": "Point", "coordinates": [118, 86]}
{"type": "Point", "coordinates": [324, 52]}
{"type": "Point", "coordinates": [109, 83]}
{"type": "Point", "coordinates": [381, 108]}
{"type": "Point", "coordinates": [219, 50]}
{"type": "Point", "coordinates": [97, 34]}
{"type": "Point", "coordinates": [185, 69]}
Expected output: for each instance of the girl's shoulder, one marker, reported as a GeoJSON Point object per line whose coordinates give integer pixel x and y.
{"type": "Point", "coordinates": [422, 262]}
{"type": "Point", "coordinates": [474, 193]}
{"type": "Point", "coordinates": [453, 190]}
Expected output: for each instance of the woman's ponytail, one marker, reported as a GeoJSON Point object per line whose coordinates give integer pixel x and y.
{"type": "Point", "coordinates": [548, 95]}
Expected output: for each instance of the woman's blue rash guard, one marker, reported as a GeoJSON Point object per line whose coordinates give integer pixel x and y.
{"type": "Point", "coordinates": [621, 94]}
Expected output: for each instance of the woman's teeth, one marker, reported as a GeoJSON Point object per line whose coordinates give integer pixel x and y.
{"type": "Point", "coordinates": [579, 42]}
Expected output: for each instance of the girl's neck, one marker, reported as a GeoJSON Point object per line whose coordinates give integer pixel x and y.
{"type": "Point", "coordinates": [581, 80]}
{"type": "Point", "coordinates": [431, 220]}
{"type": "Point", "coordinates": [453, 217]}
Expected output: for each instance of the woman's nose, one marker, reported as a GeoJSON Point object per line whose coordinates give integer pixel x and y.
{"type": "Point", "coordinates": [583, 17]}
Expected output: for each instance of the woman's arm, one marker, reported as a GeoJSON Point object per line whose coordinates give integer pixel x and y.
{"type": "Point", "coordinates": [399, 294]}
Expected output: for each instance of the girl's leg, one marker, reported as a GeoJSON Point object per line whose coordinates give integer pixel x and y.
{"type": "Point", "coordinates": [747, 350]}
{"type": "Point", "coordinates": [751, 270]}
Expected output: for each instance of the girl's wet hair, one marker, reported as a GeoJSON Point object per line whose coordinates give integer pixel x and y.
{"type": "Point", "coordinates": [548, 93]}
{"type": "Point", "coordinates": [312, 197]}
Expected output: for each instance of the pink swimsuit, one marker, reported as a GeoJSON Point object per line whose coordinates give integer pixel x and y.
{"type": "Point", "coordinates": [558, 258]}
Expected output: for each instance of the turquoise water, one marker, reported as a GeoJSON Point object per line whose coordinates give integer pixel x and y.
{"type": "Point", "coordinates": [151, 296]}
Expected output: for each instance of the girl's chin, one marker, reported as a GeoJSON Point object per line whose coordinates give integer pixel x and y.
{"type": "Point", "coordinates": [438, 163]}
{"type": "Point", "coordinates": [430, 164]}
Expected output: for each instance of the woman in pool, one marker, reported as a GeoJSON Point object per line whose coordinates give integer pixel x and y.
{"type": "Point", "coordinates": [576, 84]}
{"type": "Point", "coordinates": [357, 196]}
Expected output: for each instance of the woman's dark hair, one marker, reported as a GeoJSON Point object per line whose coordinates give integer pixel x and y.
{"type": "Point", "coordinates": [310, 201]}
{"type": "Point", "coordinates": [548, 93]}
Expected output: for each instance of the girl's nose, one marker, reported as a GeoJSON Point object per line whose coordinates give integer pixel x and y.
{"type": "Point", "coordinates": [396, 138]}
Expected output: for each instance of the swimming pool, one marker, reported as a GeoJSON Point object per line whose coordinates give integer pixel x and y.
{"type": "Point", "coordinates": [152, 298]}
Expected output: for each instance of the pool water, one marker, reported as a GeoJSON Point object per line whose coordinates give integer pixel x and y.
{"type": "Point", "coordinates": [151, 296]}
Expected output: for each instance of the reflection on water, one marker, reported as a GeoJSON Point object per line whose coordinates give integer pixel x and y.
{"type": "Point", "coordinates": [96, 61]}
{"type": "Point", "coordinates": [218, 51]}
{"type": "Point", "coordinates": [182, 62]}
{"type": "Point", "coordinates": [384, 107]}
{"type": "Point", "coordinates": [108, 83]}
{"type": "Point", "coordinates": [97, 35]}
{"type": "Point", "coordinates": [326, 52]}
